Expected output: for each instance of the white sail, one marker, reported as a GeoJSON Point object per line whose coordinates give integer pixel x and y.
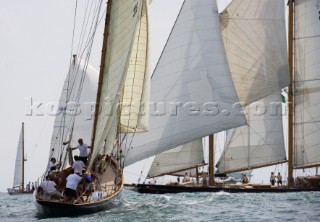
{"type": "Point", "coordinates": [307, 83]}
{"type": "Point", "coordinates": [180, 158]}
{"type": "Point", "coordinates": [261, 143]}
{"type": "Point", "coordinates": [137, 84]}
{"type": "Point", "coordinates": [76, 107]}
{"type": "Point", "coordinates": [192, 93]}
{"type": "Point", "coordinates": [123, 24]}
{"type": "Point", "coordinates": [254, 35]}
{"type": "Point", "coordinates": [17, 179]}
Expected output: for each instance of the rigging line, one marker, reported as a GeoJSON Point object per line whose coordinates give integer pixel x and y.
{"type": "Point", "coordinates": [74, 28]}
{"type": "Point", "coordinates": [84, 24]}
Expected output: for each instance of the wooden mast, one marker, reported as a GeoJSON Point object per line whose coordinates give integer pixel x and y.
{"type": "Point", "coordinates": [290, 95]}
{"type": "Point", "coordinates": [102, 66]}
{"type": "Point", "coordinates": [22, 184]}
{"type": "Point", "coordinates": [211, 160]}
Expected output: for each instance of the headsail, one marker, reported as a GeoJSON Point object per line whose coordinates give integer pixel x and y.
{"type": "Point", "coordinates": [75, 114]}
{"type": "Point", "coordinates": [184, 157]}
{"type": "Point", "coordinates": [18, 177]}
{"type": "Point", "coordinates": [192, 93]}
{"type": "Point", "coordinates": [254, 35]}
{"type": "Point", "coordinates": [259, 144]}
{"type": "Point", "coordinates": [307, 84]}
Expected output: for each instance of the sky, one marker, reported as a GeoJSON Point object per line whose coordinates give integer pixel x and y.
{"type": "Point", "coordinates": [35, 48]}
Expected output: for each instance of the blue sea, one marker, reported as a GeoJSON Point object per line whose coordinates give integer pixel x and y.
{"type": "Point", "coordinates": [183, 207]}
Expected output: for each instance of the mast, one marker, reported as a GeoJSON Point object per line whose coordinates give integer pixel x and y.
{"type": "Point", "coordinates": [22, 184]}
{"type": "Point", "coordinates": [211, 160]}
{"type": "Point", "coordinates": [290, 95]}
{"type": "Point", "coordinates": [102, 65]}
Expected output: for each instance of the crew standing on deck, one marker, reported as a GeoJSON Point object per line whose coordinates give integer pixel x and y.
{"type": "Point", "coordinates": [83, 148]}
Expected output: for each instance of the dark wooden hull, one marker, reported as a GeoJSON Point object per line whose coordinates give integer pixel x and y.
{"type": "Point", "coordinates": [162, 189]}
{"type": "Point", "coordinates": [60, 209]}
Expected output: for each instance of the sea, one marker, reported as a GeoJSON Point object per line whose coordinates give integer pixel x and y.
{"type": "Point", "coordinates": [304, 206]}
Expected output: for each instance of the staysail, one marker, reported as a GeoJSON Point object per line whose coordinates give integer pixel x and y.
{"type": "Point", "coordinates": [192, 93]}
{"type": "Point", "coordinates": [181, 158]}
{"type": "Point", "coordinates": [307, 84]}
{"type": "Point", "coordinates": [260, 143]}
{"type": "Point", "coordinates": [254, 36]}
{"type": "Point", "coordinates": [75, 112]}
{"type": "Point", "coordinates": [18, 171]}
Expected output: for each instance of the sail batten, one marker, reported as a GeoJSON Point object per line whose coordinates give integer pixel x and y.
{"type": "Point", "coordinates": [307, 89]}
{"type": "Point", "coordinates": [192, 93]}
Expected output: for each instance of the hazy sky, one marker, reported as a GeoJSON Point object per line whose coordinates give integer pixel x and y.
{"type": "Point", "coordinates": [35, 47]}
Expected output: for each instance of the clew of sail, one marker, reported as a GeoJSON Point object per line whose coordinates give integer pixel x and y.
{"type": "Point", "coordinates": [74, 115]}
{"type": "Point", "coordinates": [260, 143]}
{"type": "Point", "coordinates": [254, 35]}
{"type": "Point", "coordinates": [307, 84]}
{"type": "Point", "coordinates": [192, 93]}
{"type": "Point", "coordinates": [181, 158]}
{"type": "Point", "coordinates": [18, 177]}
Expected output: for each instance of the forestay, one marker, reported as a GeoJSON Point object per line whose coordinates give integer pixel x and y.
{"type": "Point", "coordinates": [307, 84]}
{"type": "Point", "coordinates": [258, 144]}
{"type": "Point", "coordinates": [254, 35]}
{"type": "Point", "coordinates": [184, 157]}
{"type": "Point", "coordinates": [192, 93]}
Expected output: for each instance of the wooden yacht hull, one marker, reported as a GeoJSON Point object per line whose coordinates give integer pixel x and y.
{"type": "Point", "coordinates": [162, 189]}
{"type": "Point", "coordinates": [59, 209]}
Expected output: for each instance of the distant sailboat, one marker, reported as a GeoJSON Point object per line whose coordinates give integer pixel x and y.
{"type": "Point", "coordinates": [18, 180]}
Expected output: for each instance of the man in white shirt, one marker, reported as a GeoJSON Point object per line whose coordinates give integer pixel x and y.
{"type": "Point", "coordinates": [49, 188]}
{"type": "Point", "coordinates": [83, 148]}
{"type": "Point", "coordinates": [71, 187]}
{"type": "Point", "coordinates": [78, 166]}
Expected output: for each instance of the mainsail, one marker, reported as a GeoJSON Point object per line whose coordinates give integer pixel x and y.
{"type": "Point", "coordinates": [181, 158]}
{"type": "Point", "coordinates": [254, 36]}
{"type": "Point", "coordinates": [307, 84]}
{"type": "Point", "coordinates": [126, 33]}
{"type": "Point", "coordinates": [192, 93]}
{"type": "Point", "coordinates": [75, 114]}
{"type": "Point", "coordinates": [260, 143]}
{"type": "Point", "coordinates": [18, 169]}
